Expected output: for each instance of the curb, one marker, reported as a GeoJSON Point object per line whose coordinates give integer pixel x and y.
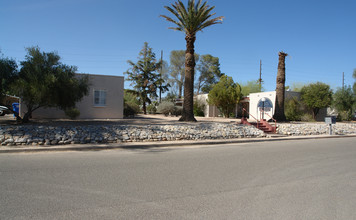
{"type": "Point", "coordinates": [148, 145]}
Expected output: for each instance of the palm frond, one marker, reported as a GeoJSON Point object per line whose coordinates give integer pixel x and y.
{"type": "Point", "coordinates": [193, 18]}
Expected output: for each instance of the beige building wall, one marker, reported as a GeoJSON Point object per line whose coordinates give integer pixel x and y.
{"type": "Point", "coordinates": [112, 86]}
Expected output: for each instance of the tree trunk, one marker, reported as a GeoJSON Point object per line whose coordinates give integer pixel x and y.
{"type": "Point", "coordinates": [188, 114]}
{"type": "Point", "coordinates": [144, 107]}
{"type": "Point", "coordinates": [280, 88]}
{"type": "Point", "coordinates": [181, 86]}
{"type": "Point", "coordinates": [180, 90]}
{"type": "Point", "coordinates": [315, 112]}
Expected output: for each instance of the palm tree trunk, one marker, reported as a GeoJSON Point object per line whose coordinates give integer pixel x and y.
{"type": "Point", "coordinates": [188, 114]}
{"type": "Point", "coordinates": [280, 88]}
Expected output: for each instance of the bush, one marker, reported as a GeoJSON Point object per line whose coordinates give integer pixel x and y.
{"type": "Point", "coordinates": [198, 109]}
{"type": "Point", "coordinates": [344, 116]}
{"type": "Point", "coordinates": [151, 108]}
{"type": "Point", "coordinates": [165, 108]}
{"type": "Point", "coordinates": [131, 109]}
{"type": "Point", "coordinates": [293, 110]}
{"type": "Point", "coordinates": [178, 110]}
{"type": "Point", "coordinates": [307, 117]}
{"type": "Point", "coordinates": [72, 113]}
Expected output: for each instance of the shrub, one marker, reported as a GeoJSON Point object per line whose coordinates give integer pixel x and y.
{"type": "Point", "coordinates": [151, 108]}
{"type": "Point", "coordinates": [166, 108]}
{"type": "Point", "coordinates": [178, 110]}
{"type": "Point", "coordinates": [198, 109]}
{"type": "Point", "coordinates": [293, 109]}
{"type": "Point", "coordinates": [344, 115]}
{"type": "Point", "coordinates": [72, 113]}
{"type": "Point", "coordinates": [307, 117]}
{"type": "Point", "coordinates": [131, 109]}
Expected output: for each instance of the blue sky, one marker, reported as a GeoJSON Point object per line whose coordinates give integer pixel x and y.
{"type": "Point", "coordinates": [99, 36]}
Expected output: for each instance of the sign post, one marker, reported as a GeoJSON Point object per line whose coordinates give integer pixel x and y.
{"type": "Point", "coordinates": [330, 121]}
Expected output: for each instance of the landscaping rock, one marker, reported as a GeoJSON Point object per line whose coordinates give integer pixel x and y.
{"type": "Point", "coordinates": [49, 135]}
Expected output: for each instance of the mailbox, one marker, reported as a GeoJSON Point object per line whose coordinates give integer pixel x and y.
{"type": "Point", "coordinates": [330, 120]}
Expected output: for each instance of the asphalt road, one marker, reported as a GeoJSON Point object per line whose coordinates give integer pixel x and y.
{"type": "Point", "coordinates": [306, 179]}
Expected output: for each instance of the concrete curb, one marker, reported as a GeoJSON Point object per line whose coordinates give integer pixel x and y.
{"type": "Point", "coordinates": [148, 145]}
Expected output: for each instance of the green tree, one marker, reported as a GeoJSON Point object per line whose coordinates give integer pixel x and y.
{"type": "Point", "coordinates": [209, 68]}
{"type": "Point", "coordinates": [177, 70]}
{"type": "Point", "coordinates": [316, 96]}
{"type": "Point", "coordinates": [250, 87]}
{"type": "Point", "coordinates": [8, 74]}
{"type": "Point", "coordinates": [177, 62]}
{"type": "Point", "coordinates": [225, 95]}
{"type": "Point", "coordinates": [163, 79]}
{"type": "Point", "coordinates": [280, 88]}
{"type": "Point", "coordinates": [131, 103]}
{"type": "Point", "coordinates": [144, 76]}
{"type": "Point", "coordinates": [297, 86]}
{"type": "Point", "coordinates": [46, 82]}
{"type": "Point", "coordinates": [354, 86]}
{"type": "Point", "coordinates": [171, 97]}
{"type": "Point", "coordinates": [344, 101]}
{"type": "Point", "coordinates": [191, 19]}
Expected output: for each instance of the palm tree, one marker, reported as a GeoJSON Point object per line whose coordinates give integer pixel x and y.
{"type": "Point", "coordinates": [280, 88]}
{"type": "Point", "coordinates": [190, 20]}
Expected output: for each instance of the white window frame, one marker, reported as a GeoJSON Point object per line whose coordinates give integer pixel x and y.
{"type": "Point", "coordinates": [101, 99]}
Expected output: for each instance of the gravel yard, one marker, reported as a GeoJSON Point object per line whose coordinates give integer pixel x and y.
{"type": "Point", "coordinates": [146, 128]}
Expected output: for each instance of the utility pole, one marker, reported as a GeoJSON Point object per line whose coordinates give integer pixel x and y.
{"type": "Point", "coordinates": [260, 79]}
{"type": "Point", "coordinates": [160, 86]}
{"type": "Point", "coordinates": [343, 80]}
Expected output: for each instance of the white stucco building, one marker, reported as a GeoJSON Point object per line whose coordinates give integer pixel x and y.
{"type": "Point", "coordinates": [266, 100]}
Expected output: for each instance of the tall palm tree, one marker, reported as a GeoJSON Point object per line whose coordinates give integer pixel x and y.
{"type": "Point", "coordinates": [191, 19]}
{"type": "Point", "coordinates": [280, 88]}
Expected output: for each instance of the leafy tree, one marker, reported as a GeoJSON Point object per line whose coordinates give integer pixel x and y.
{"type": "Point", "coordinates": [8, 74]}
{"type": "Point", "coordinates": [46, 82]}
{"type": "Point", "coordinates": [163, 79]}
{"type": "Point", "coordinates": [316, 96]}
{"type": "Point", "coordinates": [225, 95]}
{"type": "Point", "coordinates": [280, 88]}
{"type": "Point", "coordinates": [191, 19]}
{"type": "Point", "coordinates": [144, 76]}
{"type": "Point", "coordinates": [177, 69]}
{"type": "Point", "coordinates": [171, 97]}
{"type": "Point", "coordinates": [344, 100]}
{"type": "Point", "coordinates": [297, 86]}
{"type": "Point", "coordinates": [177, 62]}
{"type": "Point", "coordinates": [354, 86]}
{"type": "Point", "coordinates": [131, 103]}
{"type": "Point", "coordinates": [209, 68]}
{"type": "Point", "coordinates": [250, 87]}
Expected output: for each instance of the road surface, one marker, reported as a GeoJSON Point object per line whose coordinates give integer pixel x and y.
{"type": "Point", "coordinates": [305, 179]}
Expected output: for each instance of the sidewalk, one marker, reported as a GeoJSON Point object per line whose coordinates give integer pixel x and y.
{"type": "Point", "coordinates": [151, 145]}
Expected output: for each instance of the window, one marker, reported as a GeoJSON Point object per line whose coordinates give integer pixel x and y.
{"type": "Point", "coordinates": [99, 98]}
